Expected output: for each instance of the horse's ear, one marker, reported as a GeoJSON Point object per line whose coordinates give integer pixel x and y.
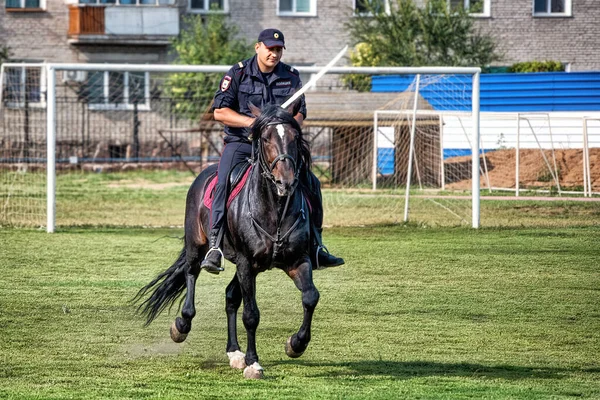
{"type": "Point", "coordinates": [254, 110]}
{"type": "Point", "coordinates": [294, 107]}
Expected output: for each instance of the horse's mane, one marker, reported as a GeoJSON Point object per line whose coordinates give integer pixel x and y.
{"type": "Point", "coordinates": [272, 113]}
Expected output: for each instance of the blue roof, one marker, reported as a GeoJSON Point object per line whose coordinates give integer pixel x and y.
{"type": "Point", "coordinates": [524, 92]}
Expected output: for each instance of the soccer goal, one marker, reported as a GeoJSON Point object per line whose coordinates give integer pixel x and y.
{"type": "Point", "coordinates": [66, 126]}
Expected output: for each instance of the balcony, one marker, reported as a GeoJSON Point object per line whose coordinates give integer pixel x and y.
{"type": "Point", "coordinates": [122, 25]}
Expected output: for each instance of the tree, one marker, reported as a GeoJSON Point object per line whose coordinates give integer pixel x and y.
{"type": "Point", "coordinates": [5, 53]}
{"type": "Point", "coordinates": [207, 40]}
{"type": "Point", "coordinates": [408, 35]}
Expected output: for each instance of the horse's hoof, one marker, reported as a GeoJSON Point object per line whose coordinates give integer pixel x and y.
{"type": "Point", "coordinates": [289, 351]}
{"type": "Point", "coordinates": [177, 336]}
{"type": "Point", "coordinates": [254, 371]}
{"type": "Point", "coordinates": [237, 359]}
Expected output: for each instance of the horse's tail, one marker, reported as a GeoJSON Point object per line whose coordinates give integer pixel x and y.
{"type": "Point", "coordinates": [166, 288]}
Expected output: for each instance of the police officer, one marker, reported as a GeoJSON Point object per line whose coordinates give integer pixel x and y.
{"type": "Point", "coordinates": [261, 80]}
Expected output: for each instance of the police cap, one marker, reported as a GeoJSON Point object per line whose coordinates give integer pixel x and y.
{"type": "Point", "coordinates": [272, 38]}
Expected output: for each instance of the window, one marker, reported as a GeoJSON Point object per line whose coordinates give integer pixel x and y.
{"type": "Point", "coordinates": [550, 8]}
{"type": "Point", "coordinates": [26, 4]}
{"type": "Point", "coordinates": [478, 8]}
{"type": "Point", "coordinates": [205, 6]}
{"type": "Point", "coordinates": [363, 7]}
{"type": "Point", "coordinates": [23, 86]}
{"type": "Point", "coordinates": [117, 90]}
{"type": "Point", "coordinates": [297, 8]}
{"type": "Point", "coordinates": [130, 2]}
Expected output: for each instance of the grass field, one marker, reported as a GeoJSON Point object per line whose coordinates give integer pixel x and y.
{"type": "Point", "coordinates": [417, 312]}
{"type": "Point", "coordinates": [157, 199]}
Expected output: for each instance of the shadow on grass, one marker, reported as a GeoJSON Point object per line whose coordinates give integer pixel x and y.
{"type": "Point", "coordinates": [408, 370]}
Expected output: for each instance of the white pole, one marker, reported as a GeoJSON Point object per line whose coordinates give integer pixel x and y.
{"type": "Point", "coordinates": [315, 78]}
{"type": "Point", "coordinates": [375, 134]}
{"type": "Point", "coordinates": [517, 155]}
{"type": "Point", "coordinates": [411, 148]}
{"type": "Point", "coordinates": [442, 173]}
{"type": "Point", "coordinates": [51, 149]}
{"type": "Point", "coordinates": [586, 177]}
{"type": "Point", "coordinates": [587, 156]}
{"type": "Point", "coordinates": [553, 154]}
{"type": "Point", "coordinates": [475, 151]}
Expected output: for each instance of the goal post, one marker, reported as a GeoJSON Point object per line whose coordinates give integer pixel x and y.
{"type": "Point", "coordinates": [118, 117]}
{"type": "Point", "coordinates": [450, 100]}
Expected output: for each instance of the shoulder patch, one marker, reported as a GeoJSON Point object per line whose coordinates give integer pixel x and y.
{"type": "Point", "coordinates": [225, 83]}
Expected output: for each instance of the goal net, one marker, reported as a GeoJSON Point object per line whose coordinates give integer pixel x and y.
{"type": "Point", "coordinates": [118, 145]}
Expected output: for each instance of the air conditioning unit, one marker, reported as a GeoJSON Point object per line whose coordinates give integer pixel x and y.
{"type": "Point", "coordinates": [74, 76]}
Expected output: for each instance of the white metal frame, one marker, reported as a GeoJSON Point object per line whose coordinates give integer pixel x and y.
{"type": "Point", "coordinates": [386, 4]}
{"type": "Point", "coordinates": [138, 3]}
{"type": "Point", "coordinates": [311, 13]}
{"type": "Point", "coordinates": [52, 69]}
{"type": "Point", "coordinates": [486, 12]}
{"type": "Point", "coordinates": [475, 140]}
{"type": "Point", "coordinates": [206, 8]}
{"type": "Point", "coordinates": [23, 66]}
{"type": "Point", "coordinates": [567, 13]}
{"type": "Point", "coordinates": [125, 105]}
{"type": "Point", "coordinates": [22, 6]}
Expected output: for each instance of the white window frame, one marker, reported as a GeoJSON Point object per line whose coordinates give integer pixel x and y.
{"type": "Point", "coordinates": [567, 13]}
{"type": "Point", "coordinates": [23, 83]}
{"type": "Point", "coordinates": [125, 105]}
{"type": "Point", "coordinates": [486, 8]}
{"type": "Point", "coordinates": [22, 6]}
{"type": "Point", "coordinates": [206, 9]}
{"type": "Point", "coordinates": [366, 14]}
{"type": "Point", "coordinates": [138, 3]}
{"type": "Point", "coordinates": [311, 13]}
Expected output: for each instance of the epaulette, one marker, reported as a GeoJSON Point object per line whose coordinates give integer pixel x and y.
{"type": "Point", "coordinates": [240, 64]}
{"type": "Point", "coordinates": [292, 70]}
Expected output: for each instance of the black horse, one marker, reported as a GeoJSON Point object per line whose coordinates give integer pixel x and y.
{"type": "Point", "coordinates": [268, 226]}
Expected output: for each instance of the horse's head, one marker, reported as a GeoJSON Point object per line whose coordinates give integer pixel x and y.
{"type": "Point", "coordinates": [279, 145]}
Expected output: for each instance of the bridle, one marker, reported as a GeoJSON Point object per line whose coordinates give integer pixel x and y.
{"type": "Point", "coordinates": [267, 169]}
{"type": "Point", "coordinates": [267, 173]}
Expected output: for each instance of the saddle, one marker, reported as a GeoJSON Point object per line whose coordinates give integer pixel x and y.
{"type": "Point", "coordinates": [237, 179]}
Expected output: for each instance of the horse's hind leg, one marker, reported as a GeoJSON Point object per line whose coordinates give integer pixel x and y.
{"type": "Point", "coordinates": [233, 299]}
{"type": "Point", "coordinates": [182, 325]}
{"type": "Point", "coordinates": [302, 277]}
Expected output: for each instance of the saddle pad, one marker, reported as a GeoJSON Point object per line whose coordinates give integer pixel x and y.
{"type": "Point", "coordinates": [210, 190]}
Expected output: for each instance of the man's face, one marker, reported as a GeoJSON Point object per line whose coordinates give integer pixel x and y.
{"type": "Point", "coordinates": [268, 57]}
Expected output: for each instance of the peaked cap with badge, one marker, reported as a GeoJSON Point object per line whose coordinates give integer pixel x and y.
{"type": "Point", "coordinates": [272, 38]}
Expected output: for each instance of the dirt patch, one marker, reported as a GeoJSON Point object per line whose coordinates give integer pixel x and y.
{"type": "Point", "coordinates": [533, 170]}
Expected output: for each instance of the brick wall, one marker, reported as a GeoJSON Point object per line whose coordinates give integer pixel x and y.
{"type": "Point", "coordinates": [38, 36]}
{"type": "Point", "coordinates": [521, 37]}
{"type": "Point", "coordinates": [314, 40]}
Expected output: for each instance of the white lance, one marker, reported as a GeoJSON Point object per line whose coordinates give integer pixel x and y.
{"type": "Point", "coordinates": [315, 78]}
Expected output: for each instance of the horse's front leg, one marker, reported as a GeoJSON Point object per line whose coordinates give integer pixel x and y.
{"type": "Point", "coordinates": [233, 299]}
{"type": "Point", "coordinates": [182, 325]}
{"type": "Point", "coordinates": [250, 317]}
{"type": "Point", "coordinates": [302, 277]}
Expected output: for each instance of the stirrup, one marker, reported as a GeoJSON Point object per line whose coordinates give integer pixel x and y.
{"type": "Point", "coordinates": [326, 250]}
{"type": "Point", "coordinates": [209, 267]}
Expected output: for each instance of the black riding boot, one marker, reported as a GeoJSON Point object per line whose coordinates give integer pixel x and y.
{"type": "Point", "coordinates": [213, 260]}
{"type": "Point", "coordinates": [324, 258]}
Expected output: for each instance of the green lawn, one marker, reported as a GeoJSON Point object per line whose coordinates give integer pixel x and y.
{"type": "Point", "coordinates": [417, 312]}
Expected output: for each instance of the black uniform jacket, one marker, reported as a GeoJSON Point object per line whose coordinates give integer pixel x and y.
{"type": "Point", "coordinates": [244, 83]}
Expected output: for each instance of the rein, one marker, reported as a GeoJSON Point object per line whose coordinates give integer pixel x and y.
{"type": "Point", "coordinates": [267, 173]}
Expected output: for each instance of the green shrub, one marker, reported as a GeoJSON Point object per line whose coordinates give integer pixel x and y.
{"type": "Point", "coordinates": [537, 66]}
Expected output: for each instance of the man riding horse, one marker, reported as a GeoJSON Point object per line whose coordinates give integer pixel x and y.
{"type": "Point", "coordinates": [260, 80]}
